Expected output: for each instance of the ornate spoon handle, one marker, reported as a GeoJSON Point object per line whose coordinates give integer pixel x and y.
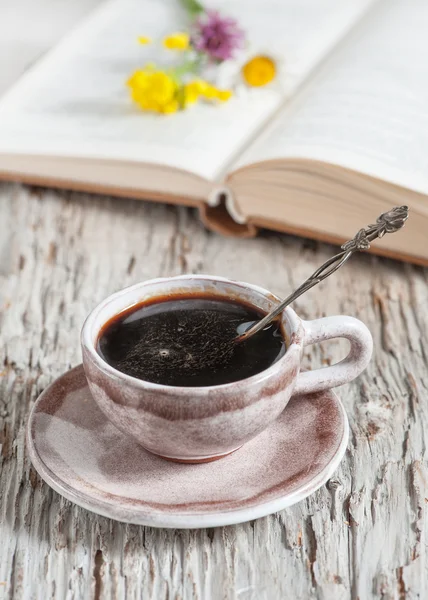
{"type": "Point", "coordinates": [388, 222]}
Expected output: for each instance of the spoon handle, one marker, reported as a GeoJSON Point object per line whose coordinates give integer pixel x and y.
{"type": "Point", "coordinates": [388, 222]}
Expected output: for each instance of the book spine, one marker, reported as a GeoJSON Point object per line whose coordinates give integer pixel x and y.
{"type": "Point", "coordinates": [224, 196]}
{"type": "Point", "coordinates": [221, 214]}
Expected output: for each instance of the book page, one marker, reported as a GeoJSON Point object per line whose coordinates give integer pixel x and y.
{"type": "Point", "coordinates": [23, 40]}
{"type": "Point", "coordinates": [368, 107]}
{"type": "Point", "coordinates": [75, 102]}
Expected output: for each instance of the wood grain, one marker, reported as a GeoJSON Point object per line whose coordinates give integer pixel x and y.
{"type": "Point", "coordinates": [363, 535]}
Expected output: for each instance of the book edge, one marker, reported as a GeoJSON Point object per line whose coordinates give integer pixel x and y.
{"type": "Point", "coordinates": [216, 218]}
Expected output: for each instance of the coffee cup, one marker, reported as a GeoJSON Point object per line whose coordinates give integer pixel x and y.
{"type": "Point", "coordinates": [201, 424]}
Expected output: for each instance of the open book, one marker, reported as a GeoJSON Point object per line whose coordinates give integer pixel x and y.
{"type": "Point", "coordinates": [339, 138]}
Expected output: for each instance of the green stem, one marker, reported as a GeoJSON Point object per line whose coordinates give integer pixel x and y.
{"type": "Point", "coordinates": [193, 7]}
{"type": "Point", "coordinates": [188, 66]}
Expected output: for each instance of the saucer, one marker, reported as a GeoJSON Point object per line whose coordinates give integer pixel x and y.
{"type": "Point", "coordinates": [82, 456]}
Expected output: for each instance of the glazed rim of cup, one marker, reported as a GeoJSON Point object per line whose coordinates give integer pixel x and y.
{"type": "Point", "coordinates": [119, 301]}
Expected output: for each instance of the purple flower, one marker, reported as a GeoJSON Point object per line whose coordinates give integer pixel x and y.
{"type": "Point", "coordinates": [217, 36]}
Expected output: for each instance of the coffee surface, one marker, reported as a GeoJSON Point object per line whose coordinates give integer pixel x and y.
{"type": "Point", "coordinates": [188, 342]}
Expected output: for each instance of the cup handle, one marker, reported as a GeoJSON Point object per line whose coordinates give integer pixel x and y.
{"type": "Point", "coordinates": [344, 371]}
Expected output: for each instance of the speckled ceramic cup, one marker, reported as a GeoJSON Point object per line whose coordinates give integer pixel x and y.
{"type": "Point", "coordinates": [199, 424]}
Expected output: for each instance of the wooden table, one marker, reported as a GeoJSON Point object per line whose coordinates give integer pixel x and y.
{"type": "Point", "coordinates": [363, 535]}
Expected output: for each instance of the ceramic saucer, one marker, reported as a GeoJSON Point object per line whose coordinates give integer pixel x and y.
{"type": "Point", "coordinates": [81, 455]}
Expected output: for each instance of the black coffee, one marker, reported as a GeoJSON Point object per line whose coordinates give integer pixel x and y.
{"type": "Point", "coordinates": [188, 342]}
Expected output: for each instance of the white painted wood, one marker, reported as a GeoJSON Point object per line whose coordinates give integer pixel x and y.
{"type": "Point", "coordinates": [363, 535]}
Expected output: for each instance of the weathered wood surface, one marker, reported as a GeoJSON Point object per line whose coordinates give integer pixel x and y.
{"type": "Point", "coordinates": [363, 535]}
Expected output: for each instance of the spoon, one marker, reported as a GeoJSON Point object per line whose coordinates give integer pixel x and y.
{"type": "Point", "coordinates": [388, 222]}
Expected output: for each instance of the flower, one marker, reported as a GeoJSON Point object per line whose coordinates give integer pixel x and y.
{"type": "Point", "coordinates": [154, 90]}
{"type": "Point", "coordinates": [210, 92]}
{"type": "Point", "coordinates": [177, 41]}
{"type": "Point", "coordinates": [144, 40]}
{"type": "Point", "coordinates": [199, 88]}
{"type": "Point", "coordinates": [217, 36]}
{"type": "Point", "coordinates": [391, 221]}
{"type": "Point", "coordinates": [162, 92]}
{"type": "Point", "coordinates": [259, 71]}
{"type": "Point", "coordinates": [191, 93]}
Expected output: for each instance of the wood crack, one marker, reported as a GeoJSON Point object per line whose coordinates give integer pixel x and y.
{"type": "Point", "coordinates": [97, 574]}
{"type": "Point", "coordinates": [312, 545]}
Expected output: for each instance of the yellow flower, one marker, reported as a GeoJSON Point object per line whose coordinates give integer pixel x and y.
{"type": "Point", "coordinates": [210, 92]}
{"type": "Point", "coordinates": [144, 40]}
{"type": "Point", "coordinates": [202, 89]}
{"type": "Point", "coordinates": [224, 95]}
{"type": "Point", "coordinates": [198, 88]}
{"type": "Point", "coordinates": [154, 90]}
{"type": "Point", "coordinates": [157, 91]}
{"type": "Point", "coordinates": [191, 92]}
{"type": "Point", "coordinates": [259, 71]}
{"type": "Point", "coordinates": [177, 41]}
